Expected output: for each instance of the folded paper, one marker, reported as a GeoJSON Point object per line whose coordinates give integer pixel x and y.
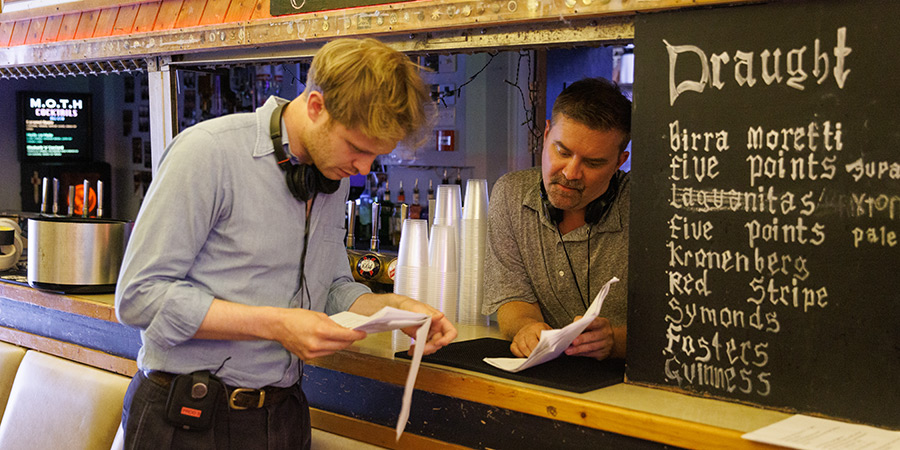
{"type": "Point", "coordinates": [554, 342]}
{"type": "Point", "coordinates": [387, 319]}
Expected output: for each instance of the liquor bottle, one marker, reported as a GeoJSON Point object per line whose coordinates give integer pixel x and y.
{"type": "Point", "coordinates": [415, 210]}
{"type": "Point", "coordinates": [428, 200]}
{"type": "Point", "coordinates": [401, 197]}
{"type": "Point", "coordinates": [387, 212]}
{"type": "Point", "coordinates": [445, 180]}
{"type": "Point", "coordinates": [458, 180]}
{"type": "Point", "coordinates": [397, 217]}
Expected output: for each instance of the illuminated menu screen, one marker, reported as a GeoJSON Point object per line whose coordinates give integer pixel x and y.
{"type": "Point", "coordinates": [54, 126]}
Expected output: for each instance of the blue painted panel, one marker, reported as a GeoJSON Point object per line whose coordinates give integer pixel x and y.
{"type": "Point", "coordinates": [449, 419]}
{"type": "Point", "coordinates": [109, 337]}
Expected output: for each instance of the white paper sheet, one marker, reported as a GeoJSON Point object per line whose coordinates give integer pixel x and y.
{"type": "Point", "coordinates": [387, 319]}
{"type": "Point", "coordinates": [805, 432]}
{"type": "Point", "coordinates": [554, 342]}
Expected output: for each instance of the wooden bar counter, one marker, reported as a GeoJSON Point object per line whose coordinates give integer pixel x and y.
{"type": "Point", "coordinates": [356, 392]}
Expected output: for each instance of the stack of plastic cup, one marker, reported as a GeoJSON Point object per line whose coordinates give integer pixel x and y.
{"type": "Point", "coordinates": [448, 206]}
{"type": "Point", "coordinates": [411, 277]}
{"type": "Point", "coordinates": [473, 230]}
{"type": "Point", "coordinates": [443, 274]}
{"type": "Point", "coordinates": [448, 211]}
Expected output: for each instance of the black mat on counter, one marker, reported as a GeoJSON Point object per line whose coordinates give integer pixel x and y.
{"type": "Point", "coordinates": [569, 373]}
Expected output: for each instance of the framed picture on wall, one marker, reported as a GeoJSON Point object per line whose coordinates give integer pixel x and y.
{"type": "Point", "coordinates": [137, 151]}
{"type": "Point", "coordinates": [144, 119]}
{"type": "Point", "coordinates": [148, 158]}
{"type": "Point", "coordinates": [145, 90]}
{"type": "Point", "coordinates": [190, 103]}
{"type": "Point", "coordinates": [127, 121]}
{"type": "Point", "coordinates": [129, 89]}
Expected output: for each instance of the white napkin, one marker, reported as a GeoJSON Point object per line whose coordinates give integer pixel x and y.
{"type": "Point", "coordinates": [554, 342]}
{"type": "Point", "coordinates": [387, 319]}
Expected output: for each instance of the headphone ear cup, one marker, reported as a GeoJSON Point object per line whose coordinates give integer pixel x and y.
{"type": "Point", "coordinates": [596, 209]}
{"type": "Point", "coordinates": [323, 184]}
{"type": "Point", "coordinates": [296, 179]}
{"type": "Point", "coordinates": [305, 180]}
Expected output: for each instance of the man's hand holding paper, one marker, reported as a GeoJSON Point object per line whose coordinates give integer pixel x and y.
{"type": "Point", "coordinates": [430, 329]}
{"type": "Point", "coordinates": [388, 319]}
{"type": "Point", "coordinates": [554, 342]}
{"type": "Point", "coordinates": [441, 332]}
{"type": "Point", "coordinates": [596, 341]}
{"type": "Point", "coordinates": [527, 338]}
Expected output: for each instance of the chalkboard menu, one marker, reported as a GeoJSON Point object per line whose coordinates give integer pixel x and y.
{"type": "Point", "coordinates": [765, 232]}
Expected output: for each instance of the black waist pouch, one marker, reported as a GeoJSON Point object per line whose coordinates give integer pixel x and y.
{"type": "Point", "coordinates": [192, 400]}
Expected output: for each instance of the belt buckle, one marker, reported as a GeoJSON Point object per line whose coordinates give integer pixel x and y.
{"type": "Point", "coordinates": [234, 394]}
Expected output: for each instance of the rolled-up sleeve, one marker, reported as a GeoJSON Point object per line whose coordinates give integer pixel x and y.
{"type": "Point", "coordinates": [154, 292]}
{"type": "Point", "coordinates": [342, 295]}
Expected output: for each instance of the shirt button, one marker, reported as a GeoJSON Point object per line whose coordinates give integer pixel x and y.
{"type": "Point", "coordinates": [561, 273]}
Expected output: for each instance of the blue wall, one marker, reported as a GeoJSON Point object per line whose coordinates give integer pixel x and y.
{"type": "Point", "coordinates": [565, 66]}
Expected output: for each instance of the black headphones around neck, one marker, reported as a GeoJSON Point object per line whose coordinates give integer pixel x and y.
{"type": "Point", "coordinates": [593, 212]}
{"type": "Point", "coordinates": [303, 180]}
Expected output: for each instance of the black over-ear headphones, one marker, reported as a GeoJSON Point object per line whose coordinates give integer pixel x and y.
{"type": "Point", "coordinates": [593, 212]}
{"type": "Point", "coordinates": [303, 180]}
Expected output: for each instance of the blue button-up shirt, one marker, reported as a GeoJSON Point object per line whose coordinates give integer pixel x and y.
{"type": "Point", "coordinates": [218, 221]}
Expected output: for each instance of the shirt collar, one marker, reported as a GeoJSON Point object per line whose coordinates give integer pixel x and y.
{"type": "Point", "coordinates": [263, 117]}
{"type": "Point", "coordinates": [285, 141]}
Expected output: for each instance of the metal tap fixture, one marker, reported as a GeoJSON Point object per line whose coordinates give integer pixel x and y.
{"type": "Point", "coordinates": [374, 243]}
{"type": "Point", "coordinates": [351, 223]}
{"type": "Point", "coordinates": [86, 202]}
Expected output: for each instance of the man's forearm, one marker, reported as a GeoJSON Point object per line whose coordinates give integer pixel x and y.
{"type": "Point", "coordinates": [233, 321]}
{"type": "Point", "coordinates": [514, 316]}
{"type": "Point", "coordinates": [368, 304]}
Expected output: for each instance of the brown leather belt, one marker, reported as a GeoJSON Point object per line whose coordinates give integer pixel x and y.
{"type": "Point", "coordinates": [238, 398]}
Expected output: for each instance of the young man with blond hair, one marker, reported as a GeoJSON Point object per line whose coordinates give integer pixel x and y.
{"type": "Point", "coordinates": [236, 259]}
